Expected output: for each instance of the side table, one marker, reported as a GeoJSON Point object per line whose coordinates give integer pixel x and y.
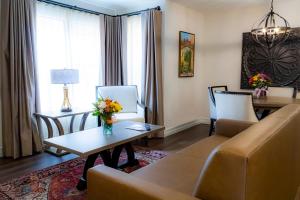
{"type": "Point", "coordinates": [55, 116]}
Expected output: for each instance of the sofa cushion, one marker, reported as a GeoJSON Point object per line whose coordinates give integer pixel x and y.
{"type": "Point", "coordinates": [203, 148]}
{"type": "Point", "coordinates": [180, 170]}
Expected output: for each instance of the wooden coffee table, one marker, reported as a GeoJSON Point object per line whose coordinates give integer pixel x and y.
{"type": "Point", "coordinates": [92, 142]}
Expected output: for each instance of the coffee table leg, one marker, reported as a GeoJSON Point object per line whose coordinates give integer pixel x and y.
{"type": "Point", "coordinates": [130, 154]}
{"type": "Point", "coordinates": [131, 161]}
{"type": "Point", "coordinates": [106, 157]}
{"type": "Point", "coordinates": [89, 163]}
{"type": "Point", "coordinates": [116, 156]}
{"type": "Point", "coordinates": [108, 160]}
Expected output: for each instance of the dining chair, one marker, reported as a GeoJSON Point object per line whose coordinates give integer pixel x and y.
{"type": "Point", "coordinates": [212, 104]}
{"type": "Point", "coordinates": [235, 106]}
{"type": "Point", "coordinates": [282, 92]}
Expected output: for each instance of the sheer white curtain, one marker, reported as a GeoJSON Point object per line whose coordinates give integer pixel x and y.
{"type": "Point", "coordinates": [67, 39]}
{"type": "Point", "coordinates": [134, 51]}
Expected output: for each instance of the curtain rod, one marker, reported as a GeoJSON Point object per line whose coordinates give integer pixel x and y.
{"type": "Point", "coordinates": [140, 11]}
{"type": "Point", "coordinates": [92, 11]}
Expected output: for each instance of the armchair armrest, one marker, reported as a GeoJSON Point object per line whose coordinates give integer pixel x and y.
{"type": "Point", "coordinates": [145, 111]}
{"type": "Point", "coordinates": [141, 105]}
{"type": "Point", "coordinates": [111, 184]}
{"type": "Point", "coordinates": [230, 128]}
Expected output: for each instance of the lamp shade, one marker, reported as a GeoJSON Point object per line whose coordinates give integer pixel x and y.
{"type": "Point", "coordinates": [64, 76]}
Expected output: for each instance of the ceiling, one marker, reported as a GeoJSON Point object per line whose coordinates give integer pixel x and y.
{"type": "Point", "coordinates": [124, 6]}
{"type": "Point", "coordinates": [207, 4]}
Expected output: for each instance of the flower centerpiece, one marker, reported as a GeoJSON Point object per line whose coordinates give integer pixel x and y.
{"type": "Point", "coordinates": [105, 108]}
{"type": "Point", "coordinates": [260, 82]}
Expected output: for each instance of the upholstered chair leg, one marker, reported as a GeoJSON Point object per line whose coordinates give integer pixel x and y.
{"type": "Point", "coordinates": [212, 126]}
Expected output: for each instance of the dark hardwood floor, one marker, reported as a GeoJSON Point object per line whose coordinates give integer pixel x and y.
{"type": "Point", "coordinates": [10, 168]}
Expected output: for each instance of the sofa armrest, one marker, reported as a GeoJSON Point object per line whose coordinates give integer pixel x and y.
{"type": "Point", "coordinates": [111, 184]}
{"type": "Point", "coordinates": [230, 128]}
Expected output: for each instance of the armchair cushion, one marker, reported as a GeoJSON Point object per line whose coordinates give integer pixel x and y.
{"type": "Point", "coordinates": [137, 117]}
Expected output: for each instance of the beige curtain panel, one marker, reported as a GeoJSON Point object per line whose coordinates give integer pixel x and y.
{"type": "Point", "coordinates": [152, 86]}
{"type": "Point", "coordinates": [114, 51]}
{"type": "Point", "coordinates": [18, 78]}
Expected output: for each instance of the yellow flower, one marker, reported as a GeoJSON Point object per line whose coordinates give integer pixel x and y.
{"type": "Point", "coordinates": [115, 106]}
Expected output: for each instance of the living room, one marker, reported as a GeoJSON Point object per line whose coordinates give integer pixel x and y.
{"type": "Point", "coordinates": [203, 96]}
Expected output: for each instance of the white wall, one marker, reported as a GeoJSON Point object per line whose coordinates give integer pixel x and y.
{"type": "Point", "coordinates": [185, 99]}
{"type": "Point", "coordinates": [224, 44]}
{"type": "Point", "coordinates": [224, 38]}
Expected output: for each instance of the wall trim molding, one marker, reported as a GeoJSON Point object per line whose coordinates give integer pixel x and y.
{"type": "Point", "coordinates": [185, 126]}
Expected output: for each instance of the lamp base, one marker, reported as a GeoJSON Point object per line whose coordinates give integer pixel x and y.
{"type": "Point", "coordinates": [66, 106]}
{"type": "Point", "coordinates": [66, 110]}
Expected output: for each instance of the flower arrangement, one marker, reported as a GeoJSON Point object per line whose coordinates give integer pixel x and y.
{"type": "Point", "coordinates": [105, 108]}
{"type": "Point", "coordinates": [260, 82]}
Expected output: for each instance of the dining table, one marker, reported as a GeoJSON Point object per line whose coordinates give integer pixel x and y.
{"type": "Point", "coordinates": [269, 104]}
{"type": "Point", "coordinates": [274, 102]}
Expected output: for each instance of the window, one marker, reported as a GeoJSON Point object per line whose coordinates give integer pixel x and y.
{"type": "Point", "coordinates": [67, 39]}
{"type": "Point", "coordinates": [134, 51]}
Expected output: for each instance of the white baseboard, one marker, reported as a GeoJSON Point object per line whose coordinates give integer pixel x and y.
{"type": "Point", "coordinates": [1, 151]}
{"type": "Point", "coordinates": [176, 129]}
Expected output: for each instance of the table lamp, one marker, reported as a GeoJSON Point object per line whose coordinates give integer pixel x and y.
{"type": "Point", "coordinates": [65, 76]}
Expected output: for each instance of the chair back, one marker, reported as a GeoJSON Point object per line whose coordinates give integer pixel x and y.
{"type": "Point", "coordinates": [282, 92]}
{"type": "Point", "coordinates": [127, 96]}
{"type": "Point", "coordinates": [235, 106]}
{"type": "Point", "coordinates": [211, 99]}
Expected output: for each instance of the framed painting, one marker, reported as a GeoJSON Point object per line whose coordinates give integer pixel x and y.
{"type": "Point", "coordinates": [186, 54]}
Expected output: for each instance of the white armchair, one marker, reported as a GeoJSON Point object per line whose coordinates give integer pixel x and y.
{"type": "Point", "coordinates": [235, 106]}
{"type": "Point", "coordinates": [127, 96]}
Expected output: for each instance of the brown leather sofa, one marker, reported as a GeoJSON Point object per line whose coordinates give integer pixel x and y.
{"type": "Point", "coordinates": [241, 162]}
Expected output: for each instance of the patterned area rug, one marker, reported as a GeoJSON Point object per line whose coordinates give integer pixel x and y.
{"type": "Point", "coordinates": [59, 181]}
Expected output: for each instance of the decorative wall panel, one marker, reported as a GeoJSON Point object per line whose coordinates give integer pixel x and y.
{"type": "Point", "coordinates": [281, 63]}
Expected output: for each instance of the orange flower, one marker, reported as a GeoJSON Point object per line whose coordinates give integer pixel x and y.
{"type": "Point", "coordinates": [107, 109]}
{"type": "Point", "coordinates": [108, 101]}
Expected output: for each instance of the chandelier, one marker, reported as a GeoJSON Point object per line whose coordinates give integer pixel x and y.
{"type": "Point", "coordinates": [272, 30]}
